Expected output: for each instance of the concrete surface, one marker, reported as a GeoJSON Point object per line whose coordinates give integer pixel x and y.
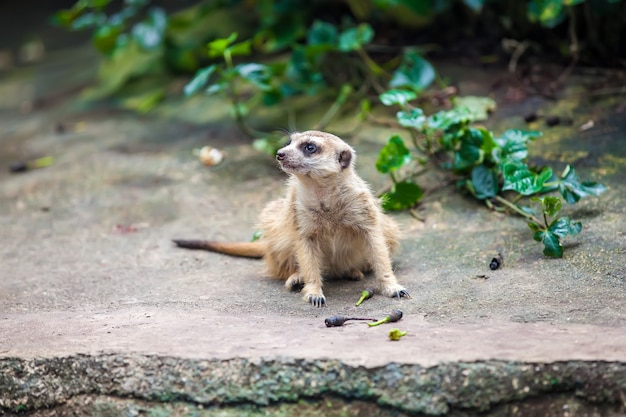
{"type": "Point", "coordinates": [98, 307]}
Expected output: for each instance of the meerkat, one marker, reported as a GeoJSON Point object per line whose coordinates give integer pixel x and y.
{"type": "Point", "coordinates": [329, 224]}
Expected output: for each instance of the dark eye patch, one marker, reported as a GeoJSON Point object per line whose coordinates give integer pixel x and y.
{"type": "Point", "coordinates": [309, 148]}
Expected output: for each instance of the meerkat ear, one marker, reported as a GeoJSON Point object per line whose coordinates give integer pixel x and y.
{"type": "Point", "coordinates": [345, 158]}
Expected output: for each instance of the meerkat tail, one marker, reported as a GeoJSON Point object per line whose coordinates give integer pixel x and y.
{"type": "Point", "coordinates": [242, 249]}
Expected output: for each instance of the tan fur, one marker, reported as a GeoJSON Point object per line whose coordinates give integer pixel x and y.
{"type": "Point", "coordinates": [329, 224]}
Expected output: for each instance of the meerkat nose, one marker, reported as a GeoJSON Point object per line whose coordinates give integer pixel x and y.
{"type": "Point", "coordinates": [280, 156]}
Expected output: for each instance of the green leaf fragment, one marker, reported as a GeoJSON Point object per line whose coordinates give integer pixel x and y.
{"type": "Point", "coordinates": [513, 144]}
{"type": "Point", "coordinates": [402, 196]}
{"type": "Point", "coordinates": [322, 33]}
{"type": "Point", "coordinates": [550, 205]}
{"type": "Point", "coordinates": [447, 120]}
{"type": "Point", "coordinates": [257, 235]}
{"type": "Point", "coordinates": [552, 245]}
{"type": "Point", "coordinates": [354, 38]}
{"type": "Point", "coordinates": [484, 182]}
{"type": "Point", "coordinates": [393, 155]}
{"type": "Point", "coordinates": [217, 47]}
{"type": "Point", "coordinates": [415, 73]}
{"type": "Point", "coordinates": [257, 74]}
{"type": "Point", "coordinates": [573, 190]}
{"type": "Point", "coordinates": [105, 38]}
{"type": "Point", "coordinates": [563, 226]}
{"type": "Point", "coordinates": [475, 143]}
{"type": "Point", "coordinates": [199, 80]}
{"type": "Point", "coordinates": [399, 97]}
{"type": "Point", "coordinates": [396, 334]}
{"type": "Point", "coordinates": [518, 177]}
{"type": "Point", "coordinates": [414, 118]}
{"type": "Point", "coordinates": [478, 107]}
{"type": "Point", "coordinates": [149, 33]}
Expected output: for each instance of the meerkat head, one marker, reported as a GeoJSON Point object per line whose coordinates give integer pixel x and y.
{"type": "Point", "coordinates": [314, 153]}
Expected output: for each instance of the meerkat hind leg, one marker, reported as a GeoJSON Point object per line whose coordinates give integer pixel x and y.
{"type": "Point", "coordinates": [355, 275]}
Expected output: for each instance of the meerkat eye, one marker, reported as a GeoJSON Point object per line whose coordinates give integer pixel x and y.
{"type": "Point", "coordinates": [309, 148]}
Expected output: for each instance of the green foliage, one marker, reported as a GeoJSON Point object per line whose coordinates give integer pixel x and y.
{"type": "Point", "coordinates": [488, 166]}
{"type": "Point", "coordinates": [573, 190]}
{"type": "Point", "coordinates": [403, 195]}
{"type": "Point", "coordinates": [393, 156]}
{"type": "Point", "coordinates": [301, 56]}
{"type": "Point", "coordinates": [399, 97]}
{"type": "Point", "coordinates": [551, 233]}
{"type": "Point", "coordinates": [250, 84]}
{"type": "Point", "coordinates": [265, 53]}
{"type": "Point", "coordinates": [415, 73]}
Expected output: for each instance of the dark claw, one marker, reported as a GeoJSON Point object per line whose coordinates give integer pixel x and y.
{"type": "Point", "coordinates": [317, 301]}
{"type": "Point", "coordinates": [402, 294]}
{"type": "Point", "coordinates": [297, 286]}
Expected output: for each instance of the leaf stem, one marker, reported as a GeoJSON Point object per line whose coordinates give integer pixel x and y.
{"type": "Point", "coordinates": [395, 180]}
{"type": "Point", "coordinates": [371, 64]}
{"type": "Point", "coordinates": [516, 209]}
{"type": "Point", "coordinates": [343, 95]}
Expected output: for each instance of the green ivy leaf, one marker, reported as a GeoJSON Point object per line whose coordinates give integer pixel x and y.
{"type": "Point", "coordinates": [563, 226]}
{"type": "Point", "coordinates": [518, 177]}
{"type": "Point", "coordinates": [550, 205]}
{"type": "Point", "coordinates": [415, 73]}
{"type": "Point", "coordinates": [393, 155]}
{"type": "Point", "coordinates": [475, 144]}
{"type": "Point", "coordinates": [150, 33]}
{"type": "Point", "coordinates": [257, 74]}
{"type": "Point", "coordinates": [241, 48]}
{"type": "Point", "coordinates": [88, 20]}
{"type": "Point", "coordinates": [414, 118]}
{"type": "Point", "coordinates": [478, 107]}
{"type": "Point", "coordinates": [399, 97]}
{"type": "Point", "coordinates": [66, 17]}
{"type": "Point", "coordinates": [217, 47]}
{"type": "Point", "coordinates": [447, 120]}
{"type": "Point", "coordinates": [199, 80]}
{"type": "Point", "coordinates": [105, 38]}
{"type": "Point", "coordinates": [551, 243]}
{"type": "Point", "coordinates": [217, 88]}
{"type": "Point", "coordinates": [514, 144]}
{"type": "Point", "coordinates": [354, 38]}
{"type": "Point", "coordinates": [271, 97]}
{"type": "Point", "coordinates": [322, 33]}
{"type": "Point", "coordinates": [548, 12]}
{"type": "Point", "coordinates": [484, 182]}
{"type": "Point", "coordinates": [403, 195]}
{"type": "Point", "coordinates": [573, 190]}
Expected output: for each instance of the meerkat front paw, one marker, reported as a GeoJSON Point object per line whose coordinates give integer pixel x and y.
{"type": "Point", "coordinates": [294, 282]}
{"type": "Point", "coordinates": [314, 295]}
{"type": "Point", "coordinates": [395, 291]}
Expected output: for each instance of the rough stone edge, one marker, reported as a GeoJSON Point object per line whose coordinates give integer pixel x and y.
{"type": "Point", "coordinates": [33, 384]}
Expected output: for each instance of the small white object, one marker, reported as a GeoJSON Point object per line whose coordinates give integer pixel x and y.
{"type": "Point", "coordinates": [210, 156]}
{"type": "Point", "coordinates": [587, 125]}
